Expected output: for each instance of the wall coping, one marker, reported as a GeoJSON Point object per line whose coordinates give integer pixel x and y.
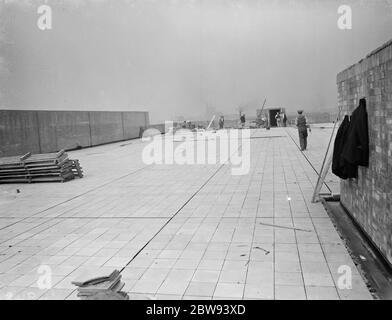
{"type": "Point", "coordinates": [369, 55]}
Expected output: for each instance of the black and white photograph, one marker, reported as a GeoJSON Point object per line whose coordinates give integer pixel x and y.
{"type": "Point", "coordinates": [215, 151]}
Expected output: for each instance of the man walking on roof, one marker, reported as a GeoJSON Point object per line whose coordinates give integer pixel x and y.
{"type": "Point", "coordinates": [302, 125]}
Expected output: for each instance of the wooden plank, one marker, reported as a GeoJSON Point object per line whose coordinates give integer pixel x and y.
{"type": "Point", "coordinates": [47, 174]}
{"type": "Point", "coordinates": [10, 161]}
{"type": "Point", "coordinates": [13, 175]}
{"type": "Point", "coordinates": [25, 156]}
{"type": "Point", "coordinates": [51, 179]}
{"type": "Point", "coordinates": [41, 168]}
{"type": "Point", "coordinates": [11, 170]}
{"type": "Point", "coordinates": [326, 163]}
{"type": "Point", "coordinates": [38, 158]}
{"type": "Point", "coordinates": [60, 153]}
{"type": "Point", "coordinates": [14, 181]}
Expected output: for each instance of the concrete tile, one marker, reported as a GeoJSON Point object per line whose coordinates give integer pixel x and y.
{"type": "Point", "coordinates": [318, 279]}
{"type": "Point", "coordinates": [259, 291]}
{"type": "Point", "coordinates": [167, 297]}
{"type": "Point", "coordinates": [233, 276]}
{"type": "Point", "coordinates": [229, 290]}
{"type": "Point", "coordinates": [210, 264]}
{"type": "Point", "coordinates": [322, 293]}
{"type": "Point", "coordinates": [133, 273]}
{"type": "Point", "coordinates": [187, 297]}
{"type": "Point", "coordinates": [170, 254]}
{"type": "Point", "coordinates": [56, 294]}
{"type": "Point", "coordinates": [206, 276]}
{"type": "Point", "coordinates": [173, 286]}
{"type": "Point", "coordinates": [288, 266]}
{"type": "Point", "coordinates": [24, 281]}
{"type": "Point", "coordinates": [201, 289]}
{"type": "Point", "coordinates": [290, 293]}
{"type": "Point", "coordinates": [9, 293]}
{"type": "Point", "coordinates": [29, 294]}
{"type": "Point", "coordinates": [289, 279]}
{"type": "Point", "coordinates": [348, 294]}
{"type": "Point", "coordinates": [146, 286]}
{"type": "Point", "coordinates": [186, 264]}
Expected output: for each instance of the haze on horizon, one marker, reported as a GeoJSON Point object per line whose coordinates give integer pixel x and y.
{"type": "Point", "coordinates": [174, 58]}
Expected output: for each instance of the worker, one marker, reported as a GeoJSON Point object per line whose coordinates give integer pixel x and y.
{"type": "Point", "coordinates": [302, 125]}
{"type": "Point", "coordinates": [242, 119]}
{"type": "Point", "coordinates": [277, 118]}
{"type": "Point", "coordinates": [263, 121]}
{"type": "Point", "coordinates": [221, 122]}
{"type": "Point", "coordinates": [284, 120]}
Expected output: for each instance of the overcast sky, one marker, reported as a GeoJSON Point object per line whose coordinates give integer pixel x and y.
{"type": "Point", "coordinates": [174, 58]}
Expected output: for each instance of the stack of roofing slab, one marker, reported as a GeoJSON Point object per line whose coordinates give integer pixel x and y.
{"type": "Point", "coordinates": [49, 167]}
{"type": "Point", "coordinates": [44, 167]}
{"type": "Point", "coordinates": [12, 169]}
{"type": "Point", "coordinates": [107, 287]}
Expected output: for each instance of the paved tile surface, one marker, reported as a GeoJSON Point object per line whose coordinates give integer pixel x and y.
{"type": "Point", "coordinates": [179, 231]}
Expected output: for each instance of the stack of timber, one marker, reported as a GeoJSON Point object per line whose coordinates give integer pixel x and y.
{"type": "Point", "coordinates": [44, 167]}
{"type": "Point", "coordinates": [12, 169]}
{"type": "Point", "coordinates": [50, 167]}
{"type": "Point", "coordinates": [107, 287]}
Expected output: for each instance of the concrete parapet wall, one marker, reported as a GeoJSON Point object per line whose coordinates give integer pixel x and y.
{"type": "Point", "coordinates": [106, 127]}
{"type": "Point", "coordinates": [24, 131]}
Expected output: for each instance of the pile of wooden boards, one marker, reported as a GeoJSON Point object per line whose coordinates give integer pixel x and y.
{"type": "Point", "coordinates": [43, 167]}
{"type": "Point", "coordinates": [12, 169]}
{"type": "Point", "coordinates": [102, 288]}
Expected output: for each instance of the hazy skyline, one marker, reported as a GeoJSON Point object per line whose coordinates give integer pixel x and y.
{"type": "Point", "coordinates": [173, 58]}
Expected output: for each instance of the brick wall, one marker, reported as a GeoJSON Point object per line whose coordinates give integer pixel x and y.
{"type": "Point", "coordinates": [369, 198]}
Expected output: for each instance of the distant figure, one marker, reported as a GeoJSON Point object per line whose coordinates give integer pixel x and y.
{"type": "Point", "coordinates": [284, 120]}
{"type": "Point", "coordinates": [263, 121]}
{"type": "Point", "coordinates": [242, 119]}
{"type": "Point", "coordinates": [301, 123]}
{"type": "Point", "coordinates": [221, 122]}
{"type": "Point", "coordinates": [277, 118]}
{"type": "Point", "coordinates": [184, 125]}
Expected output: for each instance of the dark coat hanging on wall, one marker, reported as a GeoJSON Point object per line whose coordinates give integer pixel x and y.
{"type": "Point", "coordinates": [340, 166]}
{"type": "Point", "coordinates": [356, 148]}
{"type": "Point", "coordinates": [351, 147]}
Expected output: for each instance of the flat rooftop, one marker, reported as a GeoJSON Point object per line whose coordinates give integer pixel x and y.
{"type": "Point", "coordinates": [180, 231]}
